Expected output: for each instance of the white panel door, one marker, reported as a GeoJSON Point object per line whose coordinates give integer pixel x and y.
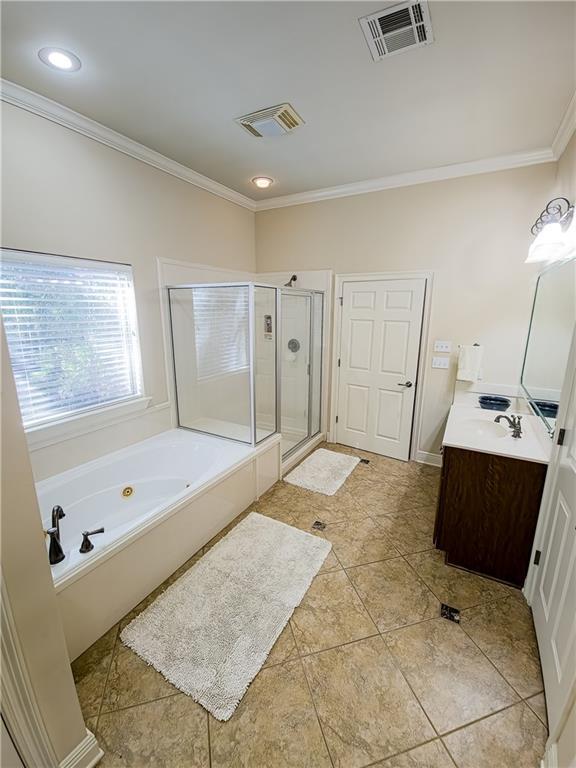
{"type": "Point", "coordinates": [380, 340]}
{"type": "Point", "coordinates": [554, 604]}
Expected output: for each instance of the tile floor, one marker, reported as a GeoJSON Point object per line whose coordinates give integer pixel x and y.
{"type": "Point", "coordinates": [366, 673]}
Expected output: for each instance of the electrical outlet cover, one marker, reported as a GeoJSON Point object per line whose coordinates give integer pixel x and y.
{"type": "Point", "coordinates": [442, 346]}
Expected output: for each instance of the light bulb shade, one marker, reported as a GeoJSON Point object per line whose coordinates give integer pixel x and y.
{"type": "Point", "coordinates": [262, 182]}
{"type": "Point", "coordinates": [548, 245]}
{"type": "Point", "coordinates": [569, 250]}
{"type": "Point", "coordinates": [58, 58]}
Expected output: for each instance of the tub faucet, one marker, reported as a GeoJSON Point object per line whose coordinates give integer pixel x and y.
{"type": "Point", "coordinates": [57, 515]}
{"type": "Point", "coordinates": [55, 552]}
{"type": "Point", "coordinates": [87, 545]}
{"type": "Point", "coordinates": [513, 423]}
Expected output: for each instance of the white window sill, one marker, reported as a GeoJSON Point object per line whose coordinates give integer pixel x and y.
{"type": "Point", "coordinates": [64, 429]}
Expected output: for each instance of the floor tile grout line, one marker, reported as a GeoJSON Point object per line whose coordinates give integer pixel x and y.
{"type": "Point", "coordinates": [177, 692]}
{"type": "Point", "coordinates": [468, 607]}
{"type": "Point", "coordinates": [506, 597]}
{"type": "Point", "coordinates": [396, 665]}
{"type": "Point", "coordinates": [342, 645]}
{"type": "Point", "coordinates": [403, 752]}
{"type": "Point", "coordinates": [484, 717]}
{"type": "Point", "coordinates": [484, 653]}
{"type": "Point", "coordinates": [303, 667]}
{"type": "Point", "coordinates": [361, 601]}
{"type": "Point", "coordinates": [105, 686]}
{"type": "Point", "coordinates": [449, 753]}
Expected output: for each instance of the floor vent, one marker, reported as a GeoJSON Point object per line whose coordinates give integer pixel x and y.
{"type": "Point", "coordinates": [272, 121]}
{"type": "Point", "coordinates": [450, 613]}
{"type": "Point", "coordinates": [397, 28]}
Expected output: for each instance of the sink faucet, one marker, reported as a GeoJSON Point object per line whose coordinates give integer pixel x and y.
{"type": "Point", "coordinates": [513, 423]}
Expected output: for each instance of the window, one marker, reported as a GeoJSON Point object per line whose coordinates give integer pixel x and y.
{"type": "Point", "coordinates": [71, 331]}
{"type": "Point", "coordinates": [220, 330]}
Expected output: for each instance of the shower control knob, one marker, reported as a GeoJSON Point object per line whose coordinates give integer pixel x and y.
{"type": "Point", "coordinates": [406, 384]}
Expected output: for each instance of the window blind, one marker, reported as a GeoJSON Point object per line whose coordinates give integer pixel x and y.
{"type": "Point", "coordinates": [220, 330]}
{"type": "Point", "coordinates": [71, 331]}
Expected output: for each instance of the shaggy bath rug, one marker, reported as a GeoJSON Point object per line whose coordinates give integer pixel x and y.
{"type": "Point", "coordinates": [212, 630]}
{"type": "Point", "coordinates": [324, 471]}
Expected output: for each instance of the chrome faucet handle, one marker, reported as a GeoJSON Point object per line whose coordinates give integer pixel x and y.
{"type": "Point", "coordinates": [87, 545]}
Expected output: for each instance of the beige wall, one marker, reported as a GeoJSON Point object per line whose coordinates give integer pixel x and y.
{"type": "Point", "coordinates": [473, 232]}
{"type": "Point", "coordinates": [28, 583]}
{"type": "Point", "coordinates": [64, 193]}
{"type": "Point", "coordinates": [566, 172]}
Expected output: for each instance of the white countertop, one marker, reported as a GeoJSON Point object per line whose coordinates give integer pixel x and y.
{"type": "Point", "coordinates": [473, 428]}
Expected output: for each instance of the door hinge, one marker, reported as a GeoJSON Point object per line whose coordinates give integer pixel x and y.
{"type": "Point", "coordinates": [336, 419]}
{"type": "Point", "coordinates": [537, 556]}
{"type": "Point", "coordinates": [561, 436]}
{"type": "Point", "coordinates": [338, 362]}
{"type": "Point", "coordinates": [308, 369]}
{"type": "Point", "coordinates": [341, 300]}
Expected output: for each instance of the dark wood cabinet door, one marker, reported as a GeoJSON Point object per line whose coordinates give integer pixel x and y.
{"type": "Point", "coordinates": [487, 513]}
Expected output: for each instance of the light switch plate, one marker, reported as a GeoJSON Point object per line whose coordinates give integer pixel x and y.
{"type": "Point", "coordinates": [440, 362]}
{"type": "Point", "coordinates": [442, 346]}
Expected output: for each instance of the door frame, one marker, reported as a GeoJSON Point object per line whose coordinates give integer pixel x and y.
{"type": "Point", "coordinates": [422, 375]}
{"type": "Point", "coordinates": [556, 731]}
{"type": "Point", "coordinates": [530, 584]}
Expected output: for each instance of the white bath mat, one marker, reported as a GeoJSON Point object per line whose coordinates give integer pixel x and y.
{"type": "Point", "coordinates": [212, 630]}
{"type": "Point", "coordinates": [324, 471]}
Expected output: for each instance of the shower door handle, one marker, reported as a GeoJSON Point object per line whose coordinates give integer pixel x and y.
{"type": "Point", "coordinates": [406, 384]}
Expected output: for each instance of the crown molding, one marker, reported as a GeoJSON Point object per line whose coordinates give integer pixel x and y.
{"type": "Point", "coordinates": [43, 107]}
{"type": "Point", "coordinates": [457, 170]}
{"type": "Point", "coordinates": [566, 129]}
{"type": "Point", "coordinates": [39, 105]}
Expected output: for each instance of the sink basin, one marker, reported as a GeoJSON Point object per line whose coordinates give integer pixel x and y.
{"type": "Point", "coordinates": [484, 428]}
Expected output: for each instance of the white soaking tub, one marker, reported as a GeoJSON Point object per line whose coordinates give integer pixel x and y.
{"type": "Point", "coordinates": [159, 501]}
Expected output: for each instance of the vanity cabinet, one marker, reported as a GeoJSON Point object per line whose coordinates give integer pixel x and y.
{"type": "Point", "coordinates": [487, 512]}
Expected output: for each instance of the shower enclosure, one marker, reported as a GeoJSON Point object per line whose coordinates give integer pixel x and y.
{"type": "Point", "coordinates": [248, 361]}
{"type": "Point", "coordinates": [300, 366]}
{"type": "Point", "coordinates": [224, 342]}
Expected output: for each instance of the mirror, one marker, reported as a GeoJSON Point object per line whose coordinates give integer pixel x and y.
{"type": "Point", "coordinates": [549, 337]}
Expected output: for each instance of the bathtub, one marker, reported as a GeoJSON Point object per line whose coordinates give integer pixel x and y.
{"type": "Point", "coordinates": [159, 501]}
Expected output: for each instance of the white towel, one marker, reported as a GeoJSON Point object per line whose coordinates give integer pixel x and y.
{"type": "Point", "coordinates": [469, 363]}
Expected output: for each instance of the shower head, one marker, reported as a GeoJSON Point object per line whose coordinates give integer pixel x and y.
{"type": "Point", "coordinates": [292, 280]}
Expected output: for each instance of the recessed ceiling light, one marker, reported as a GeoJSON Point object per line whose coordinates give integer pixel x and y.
{"type": "Point", "coordinates": [58, 58]}
{"type": "Point", "coordinates": [262, 182]}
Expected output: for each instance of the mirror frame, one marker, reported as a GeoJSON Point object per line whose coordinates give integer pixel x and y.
{"type": "Point", "coordinates": [555, 265]}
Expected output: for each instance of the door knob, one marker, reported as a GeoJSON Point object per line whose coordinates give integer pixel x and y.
{"type": "Point", "coordinates": [406, 384]}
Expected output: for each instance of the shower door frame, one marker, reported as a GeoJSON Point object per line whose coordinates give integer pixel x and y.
{"type": "Point", "coordinates": [308, 293]}
{"type": "Point", "coordinates": [251, 355]}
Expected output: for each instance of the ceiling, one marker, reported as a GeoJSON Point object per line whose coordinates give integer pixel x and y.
{"type": "Point", "coordinates": [174, 75]}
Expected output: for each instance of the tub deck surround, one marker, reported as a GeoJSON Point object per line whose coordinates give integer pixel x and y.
{"type": "Point", "coordinates": [365, 671]}
{"type": "Point", "coordinates": [473, 428]}
{"type": "Point", "coordinates": [159, 501]}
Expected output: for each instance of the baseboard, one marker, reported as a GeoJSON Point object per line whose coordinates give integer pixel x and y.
{"type": "Point", "coordinates": [84, 755]}
{"type": "Point", "coordinates": [550, 759]}
{"type": "Point", "coordinates": [425, 457]}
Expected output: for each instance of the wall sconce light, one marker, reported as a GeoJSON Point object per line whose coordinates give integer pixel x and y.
{"type": "Point", "coordinates": [555, 231]}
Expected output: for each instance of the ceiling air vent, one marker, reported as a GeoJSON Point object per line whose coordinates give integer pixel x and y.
{"type": "Point", "coordinates": [272, 121]}
{"type": "Point", "coordinates": [397, 28]}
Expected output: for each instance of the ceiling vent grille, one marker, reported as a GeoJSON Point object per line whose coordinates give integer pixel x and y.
{"type": "Point", "coordinates": [272, 121]}
{"type": "Point", "coordinates": [397, 28]}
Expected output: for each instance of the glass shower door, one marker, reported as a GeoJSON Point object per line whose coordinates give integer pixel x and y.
{"type": "Point", "coordinates": [295, 365]}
